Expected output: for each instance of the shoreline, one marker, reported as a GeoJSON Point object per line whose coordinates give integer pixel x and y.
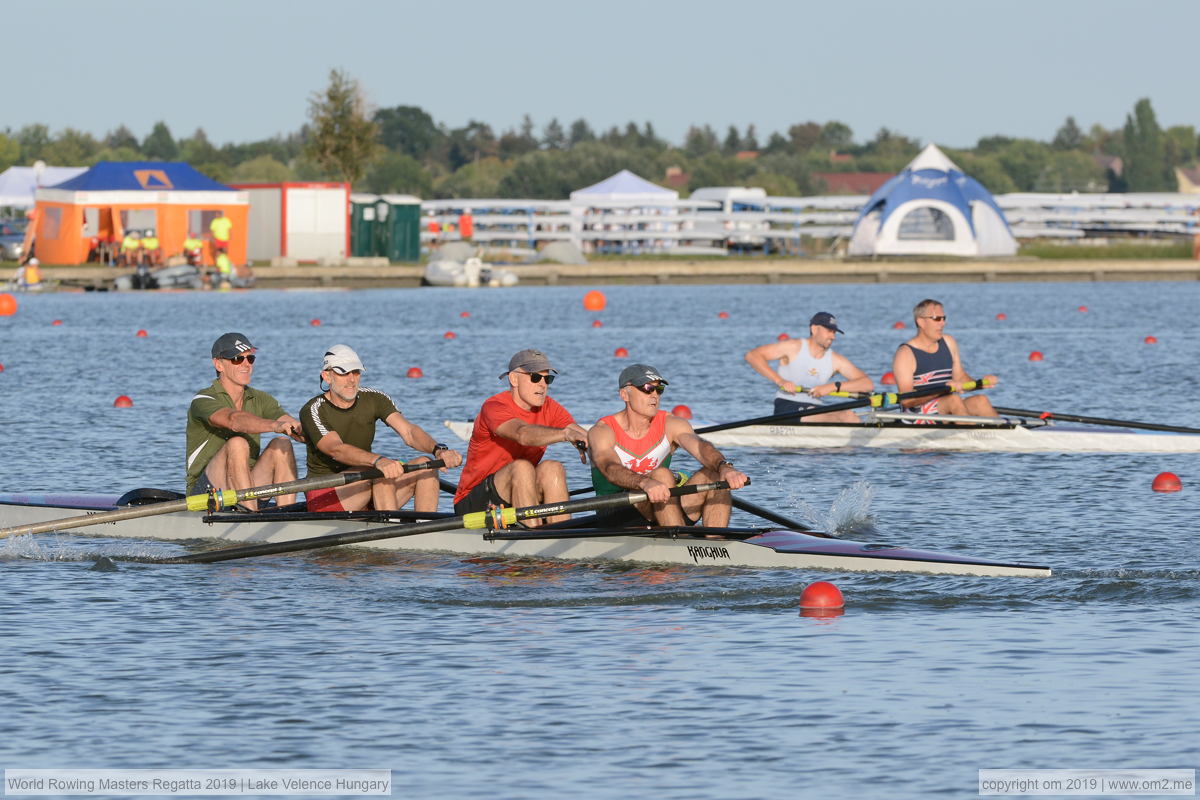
{"type": "Point", "coordinates": [732, 271]}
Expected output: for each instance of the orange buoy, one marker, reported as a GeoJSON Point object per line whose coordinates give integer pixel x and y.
{"type": "Point", "coordinates": [595, 300]}
{"type": "Point", "coordinates": [898, 325]}
{"type": "Point", "coordinates": [415, 372]}
{"type": "Point", "coordinates": [141, 334]}
{"type": "Point", "coordinates": [123, 401]}
{"type": "Point", "coordinates": [783, 337]}
{"type": "Point", "coordinates": [57, 322]}
{"type": "Point", "coordinates": [1, 368]}
{"type": "Point", "coordinates": [621, 352]}
{"type": "Point", "coordinates": [1002, 316]}
{"type": "Point", "coordinates": [465, 314]}
{"type": "Point", "coordinates": [1036, 355]}
{"type": "Point", "coordinates": [1166, 482]}
{"type": "Point", "coordinates": [722, 315]}
{"type": "Point", "coordinates": [8, 305]}
{"type": "Point", "coordinates": [682, 411]}
{"type": "Point", "coordinates": [597, 323]}
{"type": "Point", "coordinates": [888, 379]}
{"type": "Point", "coordinates": [1083, 309]}
{"type": "Point", "coordinates": [822, 594]}
{"type": "Point", "coordinates": [1151, 340]}
{"type": "Point", "coordinates": [449, 335]}
{"type": "Point", "coordinates": [315, 322]}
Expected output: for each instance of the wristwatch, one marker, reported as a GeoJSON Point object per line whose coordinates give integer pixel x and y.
{"type": "Point", "coordinates": [439, 447]}
{"type": "Point", "coordinates": [723, 463]}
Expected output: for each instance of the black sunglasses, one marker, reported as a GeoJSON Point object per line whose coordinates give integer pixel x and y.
{"type": "Point", "coordinates": [240, 359]}
{"type": "Point", "coordinates": [650, 388]}
{"type": "Point", "coordinates": [941, 318]}
{"type": "Point", "coordinates": [537, 377]}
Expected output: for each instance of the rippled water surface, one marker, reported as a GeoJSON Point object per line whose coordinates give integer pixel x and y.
{"type": "Point", "coordinates": [500, 678]}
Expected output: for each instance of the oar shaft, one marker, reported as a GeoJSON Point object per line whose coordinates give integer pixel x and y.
{"type": "Point", "coordinates": [1054, 415]}
{"type": "Point", "coordinates": [769, 515]}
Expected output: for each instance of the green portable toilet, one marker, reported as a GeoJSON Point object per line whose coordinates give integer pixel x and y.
{"type": "Point", "coordinates": [403, 226]}
{"type": "Point", "coordinates": [364, 227]}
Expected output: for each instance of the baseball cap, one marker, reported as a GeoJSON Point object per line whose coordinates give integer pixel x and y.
{"type": "Point", "coordinates": [341, 358]}
{"type": "Point", "coordinates": [638, 374]}
{"type": "Point", "coordinates": [529, 361]}
{"type": "Point", "coordinates": [825, 320]}
{"type": "Point", "coordinates": [232, 344]}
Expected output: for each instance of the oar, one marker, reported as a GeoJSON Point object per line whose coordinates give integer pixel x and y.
{"type": "Point", "coordinates": [768, 515]}
{"type": "Point", "coordinates": [494, 518]}
{"type": "Point", "coordinates": [200, 502]}
{"type": "Point", "coordinates": [873, 400]}
{"type": "Point", "coordinates": [1116, 423]}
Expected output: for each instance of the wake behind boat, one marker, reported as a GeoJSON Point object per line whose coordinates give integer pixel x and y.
{"type": "Point", "coordinates": [725, 547]}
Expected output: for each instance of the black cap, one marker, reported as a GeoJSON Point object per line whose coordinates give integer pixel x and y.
{"type": "Point", "coordinates": [232, 344]}
{"type": "Point", "coordinates": [825, 320]}
{"type": "Point", "coordinates": [639, 374]}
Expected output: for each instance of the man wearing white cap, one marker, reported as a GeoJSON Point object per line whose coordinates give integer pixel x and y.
{"type": "Point", "coordinates": [339, 428]}
{"type": "Point", "coordinates": [224, 425]}
{"type": "Point", "coordinates": [511, 433]}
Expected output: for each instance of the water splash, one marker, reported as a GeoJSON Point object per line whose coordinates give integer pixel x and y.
{"type": "Point", "coordinates": [848, 515]}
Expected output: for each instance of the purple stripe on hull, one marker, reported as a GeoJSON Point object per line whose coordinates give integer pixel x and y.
{"type": "Point", "coordinates": [82, 500]}
{"type": "Point", "coordinates": [792, 542]}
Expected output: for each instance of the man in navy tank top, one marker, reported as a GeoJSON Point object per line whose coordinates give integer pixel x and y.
{"type": "Point", "coordinates": [931, 359]}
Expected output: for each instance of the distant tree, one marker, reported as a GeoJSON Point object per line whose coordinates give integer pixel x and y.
{"type": "Point", "coordinates": [581, 132]}
{"type": "Point", "coordinates": [1103, 140]}
{"type": "Point", "coordinates": [398, 173]}
{"type": "Point", "coordinates": [632, 137]}
{"type": "Point", "coordinates": [986, 169]}
{"type": "Point", "coordinates": [121, 137]}
{"type": "Point", "coordinates": [733, 141]}
{"type": "Point", "coordinates": [1068, 137]}
{"type": "Point", "coordinates": [10, 151]}
{"type": "Point", "coordinates": [750, 140]}
{"type": "Point", "coordinates": [1070, 171]}
{"type": "Point", "coordinates": [650, 138]}
{"type": "Point", "coordinates": [342, 137]}
{"type": "Point", "coordinates": [1180, 144]}
{"type": "Point", "coordinates": [473, 142]}
{"type": "Point", "coordinates": [776, 185]}
{"type": "Point", "coordinates": [1024, 160]}
{"type": "Point", "coordinates": [478, 179]}
{"type": "Point", "coordinates": [718, 169]}
{"type": "Point", "coordinates": [992, 144]}
{"type": "Point", "coordinates": [804, 136]}
{"type": "Point", "coordinates": [34, 139]}
{"type": "Point", "coordinates": [123, 154]}
{"type": "Point", "coordinates": [71, 148]}
{"type": "Point", "coordinates": [890, 145]}
{"type": "Point", "coordinates": [836, 135]}
{"type": "Point", "coordinates": [197, 149]}
{"type": "Point", "coordinates": [160, 145]}
{"type": "Point", "coordinates": [1146, 167]}
{"type": "Point", "coordinates": [553, 135]}
{"type": "Point", "coordinates": [777, 144]}
{"type": "Point", "coordinates": [513, 145]}
{"type": "Point", "coordinates": [264, 169]}
{"type": "Point", "coordinates": [408, 129]}
{"type": "Point", "coordinates": [700, 142]}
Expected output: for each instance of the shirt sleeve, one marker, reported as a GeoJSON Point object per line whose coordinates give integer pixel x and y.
{"type": "Point", "coordinates": [314, 428]}
{"type": "Point", "coordinates": [495, 413]}
{"type": "Point", "coordinates": [559, 416]}
{"type": "Point", "coordinates": [270, 408]}
{"type": "Point", "coordinates": [204, 406]}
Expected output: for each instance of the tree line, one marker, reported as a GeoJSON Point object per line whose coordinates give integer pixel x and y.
{"type": "Point", "coordinates": [402, 149]}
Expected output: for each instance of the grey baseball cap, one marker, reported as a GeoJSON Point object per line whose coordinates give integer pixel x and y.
{"type": "Point", "coordinates": [529, 361]}
{"type": "Point", "coordinates": [232, 344]}
{"type": "Point", "coordinates": [341, 358]}
{"type": "Point", "coordinates": [638, 374]}
{"type": "Point", "coordinates": [825, 320]}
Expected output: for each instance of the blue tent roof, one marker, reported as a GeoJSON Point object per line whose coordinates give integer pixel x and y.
{"type": "Point", "coordinates": [950, 186]}
{"type": "Point", "coordinates": [152, 176]}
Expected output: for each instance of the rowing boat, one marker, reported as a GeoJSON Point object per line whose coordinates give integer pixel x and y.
{"type": "Point", "coordinates": [721, 547]}
{"type": "Point", "coordinates": [895, 431]}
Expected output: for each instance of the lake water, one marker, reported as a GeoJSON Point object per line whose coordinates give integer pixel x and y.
{"type": "Point", "coordinates": [512, 679]}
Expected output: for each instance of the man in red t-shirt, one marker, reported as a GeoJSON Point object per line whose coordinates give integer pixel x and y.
{"type": "Point", "coordinates": [512, 430]}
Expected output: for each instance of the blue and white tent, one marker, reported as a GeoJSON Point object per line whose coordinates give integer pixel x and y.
{"type": "Point", "coordinates": [932, 208]}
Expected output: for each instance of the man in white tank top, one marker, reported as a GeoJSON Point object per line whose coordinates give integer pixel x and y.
{"type": "Point", "coordinates": [805, 367]}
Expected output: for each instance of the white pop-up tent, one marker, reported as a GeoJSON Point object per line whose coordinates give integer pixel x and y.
{"type": "Point", "coordinates": [623, 213]}
{"type": "Point", "coordinates": [626, 189]}
{"type": "Point", "coordinates": [18, 184]}
{"type": "Point", "coordinates": [932, 208]}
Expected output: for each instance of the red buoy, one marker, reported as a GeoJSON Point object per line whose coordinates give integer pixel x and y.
{"type": "Point", "coordinates": [1083, 309]}
{"type": "Point", "coordinates": [722, 315]}
{"type": "Point", "coordinates": [1002, 316]}
{"type": "Point", "coordinates": [415, 372]}
{"type": "Point", "coordinates": [1, 368]}
{"type": "Point", "coordinates": [57, 322]}
{"type": "Point", "coordinates": [8, 305]}
{"type": "Point", "coordinates": [783, 337]}
{"type": "Point", "coordinates": [597, 323]}
{"type": "Point", "coordinates": [1151, 340]}
{"type": "Point", "coordinates": [888, 379]}
{"type": "Point", "coordinates": [595, 300]}
{"type": "Point", "coordinates": [123, 401]}
{"type": "Point", "coordinates": [1036, 355]}
{"type": "Point", "coordinates": [682, 411]}
{"type": "Point", "coordinates": [315, 322]}
{"type": "Point", "coordinates": [1166, 482]}
{"type": "Point", "coordinates": [621, 352]}
{"type": "Point", "coordinates": [449, 335]}
{"type": "Point", "coordinates": [141, 334]}
{"type": "Point", "coordinates": [465, 314]}
{"type": "Point", "coordinates": [822, 594]}
{"type": "Point", "coordinates": [898, 325]}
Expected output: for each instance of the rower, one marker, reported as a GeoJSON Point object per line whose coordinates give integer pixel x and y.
{"type": "Point", "coordinates": [339, 428]}
{"type": "Point", "coordinates": [931, 359]}
{"type": "Point", "coordinates": [632, 449]}
{"type": "Point", "coordinates": [805, 368]}
{"type": "Point", "coordinates": [224, 423]}
{"type": "Point", "coordinates": [509, 438]}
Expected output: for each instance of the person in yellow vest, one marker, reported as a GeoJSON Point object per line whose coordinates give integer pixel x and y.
{"type": "Point", "coordinates": [221, 228]}
{"type": "Point", "coordinates": [131, 247]}
{"type": "Point", "coordinates": [28, 276]}
{"type": "Point", "coordinates": [151, 250]}
{"type": "Point", "coordinates": [193, 249]}
{"type": "Point", "coordinates": [224, 271]}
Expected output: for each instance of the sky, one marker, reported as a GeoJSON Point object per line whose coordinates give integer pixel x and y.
{"type": "Point", "coordinates": [937, 71]}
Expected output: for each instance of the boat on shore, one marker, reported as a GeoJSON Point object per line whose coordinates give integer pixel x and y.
{"type": "Point", "coordinates": [893, 431]}
{"type": "Point", "coordinates": [764, 548]}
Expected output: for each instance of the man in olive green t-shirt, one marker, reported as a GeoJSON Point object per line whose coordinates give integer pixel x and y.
{"type": "Point", "coordinates": [224, 423]}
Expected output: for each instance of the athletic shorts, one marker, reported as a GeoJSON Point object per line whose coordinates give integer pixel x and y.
{"type": "Point", "coordinates": [928, 407]}
{"type": "Point", "coordinates": [791, 406]}
{"type": "Point", "coordinates": [480, 497]}
{"type": "Point", "coordinates": [629, 516]}
{"type": "Point", "coordinates": [219, 245]}
{"type": "Point", "coordinates": [324, 500]}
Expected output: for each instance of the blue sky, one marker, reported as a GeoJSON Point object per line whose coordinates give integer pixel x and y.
{"type": "Point", "coordinates": [947, 72]}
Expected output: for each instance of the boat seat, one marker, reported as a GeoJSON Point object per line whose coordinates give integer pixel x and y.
{"type": "Point", "coordinates": [141, 497]}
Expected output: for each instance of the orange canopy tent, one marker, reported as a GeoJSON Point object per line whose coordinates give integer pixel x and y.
{"type": "Point", "coordinates": [112, 198]}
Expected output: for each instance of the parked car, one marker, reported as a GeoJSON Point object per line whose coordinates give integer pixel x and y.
{"type": "Point", "coordinates": [12, 236]}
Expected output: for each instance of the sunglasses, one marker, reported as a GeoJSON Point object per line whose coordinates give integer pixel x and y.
{"type": "Point", "coordinates": [240, 359]}
{"type": "Point", "coordinates": [537, 377]}
{"type": "Point", "coordinates": [650, 388]}
{"type": "Point", "coordinates": [942, 318]}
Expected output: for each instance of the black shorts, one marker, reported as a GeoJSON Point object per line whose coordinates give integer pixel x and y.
{"type": "Point", "coordinates": [790, 406]}
{"type": "Point", "coordinates": [480, 497]}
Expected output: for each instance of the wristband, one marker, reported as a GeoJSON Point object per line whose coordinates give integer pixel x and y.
{"type": "Point", "coordinates": [377, 460]}
{"type": "Point", "coordinates": [438, 447]}
{"type": "Point", "coordinates": [837, 386]}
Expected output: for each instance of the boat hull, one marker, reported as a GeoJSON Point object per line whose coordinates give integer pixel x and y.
{"type": "Point", "coordinates": [766, 549]}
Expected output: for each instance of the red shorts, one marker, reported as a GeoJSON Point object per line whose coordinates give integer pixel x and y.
{"type": "Point", "coordinates": [219, 245]}
{"type": "Point", "coordinates": [324, 500]}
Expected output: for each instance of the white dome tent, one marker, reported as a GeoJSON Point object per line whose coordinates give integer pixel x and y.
{"type": "Point", "coordinates": [932, 208]}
